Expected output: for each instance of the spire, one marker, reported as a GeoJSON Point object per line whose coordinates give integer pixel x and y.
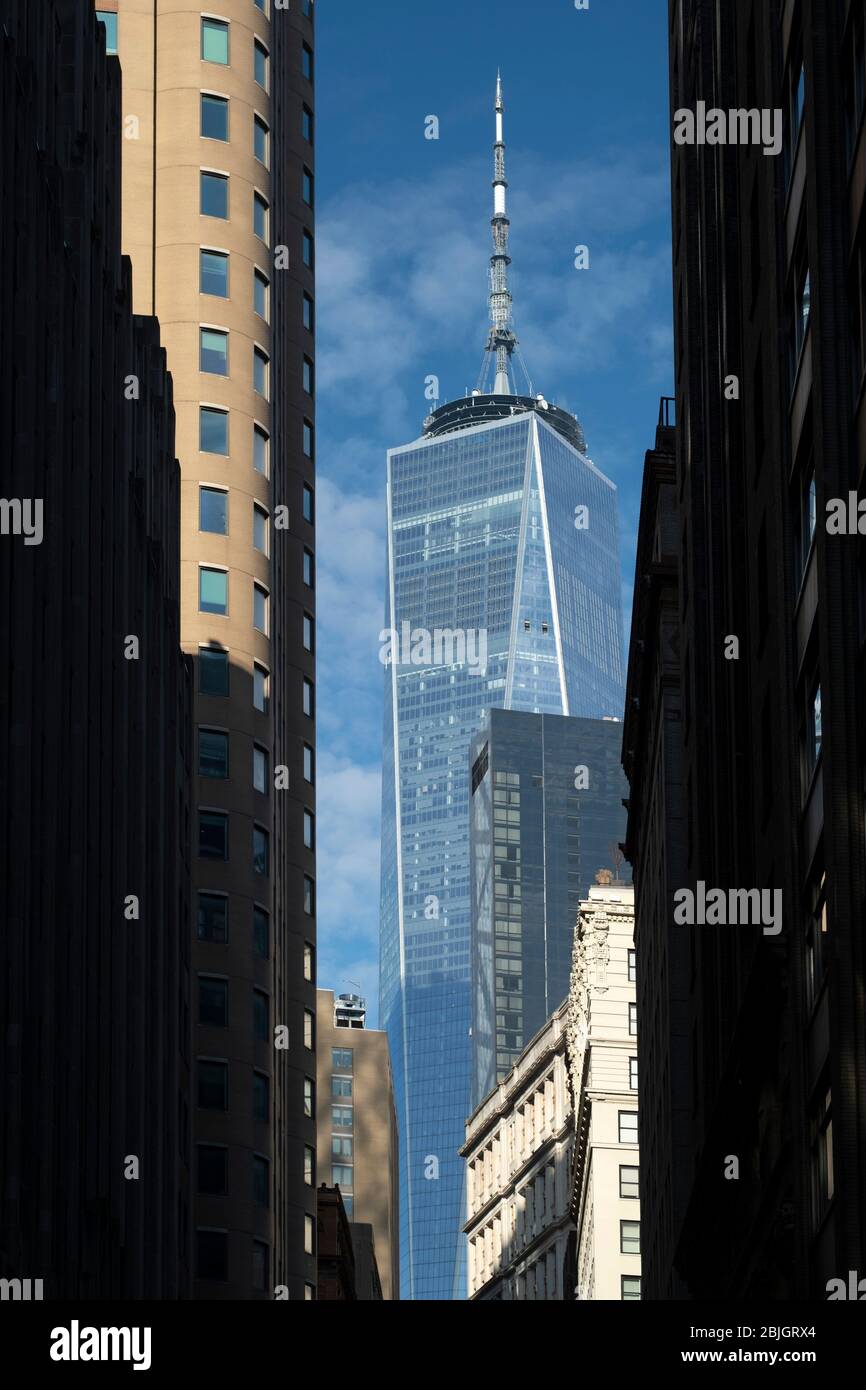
{"type": "Point", "coordinates": [501, 341]}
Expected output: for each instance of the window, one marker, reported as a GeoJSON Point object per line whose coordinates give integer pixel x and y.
{"type": "Point", "coordinates": [260, 216]}
{"type": "Point", "coordinates": [261, 5]}
{"type": "Point", "coordinates": [214, 117]}
{"type": "Point", "coordinates": [261, 137]}
{"type": "Point", "coordinates": [309, 896]}
{"type": "Point", "coordinates": [213, 1085]}
{"type": "Point", "coordinates": [628, 1126]}
{"type": "Point", "coordinates": [261, 294]}
{"type": "Point", "coordinates": [309, 1030]}
{"type": "Point", "coordinates": [213, 1002]}
{"type": "Point", "coordinates": [260, 850]}
{"type": "Point", "coordinates": [341, 1146]}
{"type": "Point", "coordinates": [260, 769]}
{"type": "Point", "coordinates": [814, 731]}
{"type": "Point", "coordinates": [309, 830]}
{"type": "Point", "coordinates": [260, 63]}
{"type": "Point", "coordinates": [212, 1255]}
{"type": "Point", "coordinates": [630, 1288]}
{"type": "Point", "coordinates": [308, 312]}
{"type": "Point", "coordinates": [261, 1181]}
{"type": "Point", "coordinates": [261, 450]}
{"type": "Point", "coordinates": [214, 351]}
{"type": "Point", "coordinates": [341, 1058]}
{"type": "Point", "coordinates": [632, 966]}
{"type": "Point", "coordinates": [308, 698]}
{"type": "Point", "coordinates": [308, 439]}
{"type": "Point", "coordinates": [795, 81]}
{"type": "Point", "coordinates": [632, 1073]}
{"type": "Point", "coordinates": [260, 528]}
{"type": "Point", "coordinates": [800, 311]}
{"type": "Point", "coordinates": [307, 187]}
{"type": "Point", "coordinates": [309, 958]}
{"type": "Point", "coordinates": [108, 20]}
{"type": "Point", "coordinates": [212, 1166]}
{"type": "Point", "coordinates": [808, 516]}
{"type": "Point", "coordinates": [629, 1183]}
{"type": "Point", "coordinates": [261, 371]}
{"type": "Point", "coordinates": [309, 1236]}
{"type": "Point", "coordinates": [214, 273]}
{"type": "Point", "coordinates": [213, 671]}
{"type": "Point", "coordinates": [308, 633]}
{"type": "Point", "coordinates": [342, 1176]}
{"type": "Point", "coordinates": [823, 1179]}
{"type": "Point", "coordinates": [629, 1237]}
{"type": "Point", "coordinates": [213, 918]}
{"type": "Point", "coordinates": [309, 1166]}
{"type": "Point", "coordinates": [309, 1097]}
{"type": "Point", "coordinates": [213, 588]}
{"type": "Point", "coordinates": [260, 608]}
{"type": "Point", "coordinates": [261, 1262]}
{"type": "Point", "coordinates": [309, 764]}
{"type": "Point", "coordinates": [816, 941]}
{"type": "Point", "coordinates": [214, 195]}
{"type": "Point", "coordinates": [307, 245]}
{"type": "Point", "coordinates": [213, 835]}
{"type": "Point", "coordinates": [261, 1104]}
{"type": "Point", "coordinates": [260, 1016]}
{"type": "Point", "coordinates": [261, 932]}
{"type": "Point", "coordinates": [213, 753]}
{"type": "Point", "coordinates": [213, 511]}
{"type": "Point", "coordinates": [307, 62]}
{"type": "Point", "coordinates": [261, 689]}
{"type": "Point", "coordinates": [632, 1020]}
{"type": "Point", "coordinates": [308, 376]}
{"type": "Point", "coordinates": [213, 431]}
{"type": "Point", "coordinates": [309, 564]}
{"type": "Point", "coordinates": [307, 8]}
{"type": "Point", "coordinates": [341, 1116]}
{"type": "Point", "coordinates": [215, 41]}
{"type": "Point", "coordinates": [341, 1087]}
{"type": "Point", "coordinates": [308, 504]}
{"type": "Point", "coordinates": [307, 124]}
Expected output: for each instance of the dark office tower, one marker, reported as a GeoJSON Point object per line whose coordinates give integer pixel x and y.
{"type": "Point", "coordinates": [653, 760]}
{"type": "Point", "coordinates": [546, 814]}
{"type": "Point", "coordinates": [95, 704]}
{"type": "Point", "coordinates": [218, 219]}
{"type": "Point", "coordinates": [769, 264]}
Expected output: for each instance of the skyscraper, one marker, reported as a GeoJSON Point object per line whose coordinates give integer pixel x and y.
{"type": "Point", "coordinates": [503, 589]}
{"type": "Point", "coordinates": [546, 814]}
{"type": "Point", "coordinates": [218, 194]}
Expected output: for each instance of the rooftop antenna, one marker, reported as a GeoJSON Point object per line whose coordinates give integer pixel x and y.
{"type": "Point", "coordinates": [501, 341]}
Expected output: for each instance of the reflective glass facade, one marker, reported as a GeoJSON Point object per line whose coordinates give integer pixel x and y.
{"type": "Point", "coordinates": [546, 814]}
{"type": "Point", "coordinates": [484, 558]}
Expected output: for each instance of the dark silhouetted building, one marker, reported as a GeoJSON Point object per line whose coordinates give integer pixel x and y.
{"type": "Point", "coordinates": [95, 704]}
{"type": "Point", "coordinates": [368, 1285]}
{"type": "Point", "coordinates": [335, 1249]}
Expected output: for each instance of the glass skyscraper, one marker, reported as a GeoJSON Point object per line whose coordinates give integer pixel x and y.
{"type": "Point", "coordinates": [546, 814]}
{"type": "Point", "coordinates": [503, 590]}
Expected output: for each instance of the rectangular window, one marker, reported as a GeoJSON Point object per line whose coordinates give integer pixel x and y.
{"type": "Point", "coordinates": [307, 62]}
{"type": "Point", "coordinates": [213, 1002]}
{"type": "Point", "coordinates": [261, 1101]}
{"type": "Point", "coordinates": [261, 1266]}
{"type": "Point", "coordinates": [261, 372]}
{"type": "Point", "coordinates": [261, 1011]}
{"type": "Point", "coordinates": [212, 1256]}
{"type": "Point", "coordinates": [261, 933]}
{"type": "Point", "coordinates": [309, 764]}
{"type": "Point", "coordinates": [308, 313]}
{"type": "Point", "coordinates": [632, 1020]}
{"type": "Point", "coordinates": [632, 1073]}
{"type": "Point", "coordinates": [342, 1146]}
{"type": "Point", "coordinates": [213, 919]}
{"type": "Point", "coordinates": [213, 671]}
{"type": "Point", "coordinates": [309, 955]}
{"type": "Point", "coordinates": [307, 244]}
{"type": "Point", "coordinates": [307, 124]}
{"type": "Point", "coordinates": [215, 41]}
{"type": "Point", "coordinates": [214, 351]}
{"type": "Point", "coordinates": [309, 830]}
{"type": "Point", "coordinates": [309, 896]}
{"type": "Point", "coordinates": [341, 1116]}
{"type": "Point", "coordinates": [629, 1183]}
{"type": "Point", "coordinates": [309, 1030]}
{"type": "Point", "coordinates": [261, 851]}
{"type": "Point", "coordinates": [213, 591]}
{"type": "Point", "coordinates": [308, 699]}
{"type": "Point", "coordinates": [309, 1166]}
{"type": "Point", "coordinates": [214, 195]}
{"type": "Point", "coordinates": [342, 1058]}
{"type": "Point", "coordinates": [307, 8]}
{"type": "Point", "coordinates": [261, 137]}
{"type": "Point", "coordinates": [214, 273]}
{"type": "Point", "coordinates": [213, 1085]}
{"type": "Point", "coordinates": [261, 689]}
{"type": "Point", "coordinates": [308, 633]}
{"type": "Point", "coordinates": [260, 63]}
{"type": "Point", "coordinates": [309, 1097]}
{"type": "Point", "coordinates": [630, 1288]}
{"type": "Point", "coordinates": [261, 1181]}
{"type": "Point", "coordinates": [213, 753]}
{"type": "Point", "coordinates": [108, 20]}
{"type": "Point", "coordinates": [213, 431]}
{"type": "Point", "coordinates": [260, 770]}
{"type": "Point", "coordinates": [309, 1236]}
{"type": "Point", "coordinates": [628, 1126]}
{"type": "Point", "coordinates": [212, 1170]}
{"type": "Point", "coordinates": [261, 450]}
{"type": "Point", "coordinates": [816, 727]}
{"type": "Point", "coordinates": [341, 1087]}
{"type": "Point", "coordinates": [816, 940]}
{"type": "Point", "coordinates": [260, 216]}
{"type": "Point", "coordinates": [632, 967]}
{"type": "Point", "coordinates": [261, 295]}
{"type": "Point", "coordinates": [343, 1176]}
{"type": "Point", "coordinates": [214, 117]}
{"type": "Point", "coordinates": [260, 609]}
{"type": "Point", "coordinates": [307, 187]}
{"type": "Point", "coordinates": [213, 835]}
{"type": "Point", "coordinates": [260, 529]}
{"type": "Point", "coordinates": [308, 504]}
{"type": "Point", "coordinates": [308, 439]}
{"type": "Point", "coordinates": [308, 568]}
{"type": "Point", "coordinates": [308, 376]}
{"type": "Point", "coordinates": [629, 1237]}
{"type": "Point", "coordinates": [213, 511]}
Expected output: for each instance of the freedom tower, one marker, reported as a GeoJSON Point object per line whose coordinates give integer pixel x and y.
{"type": "Point", "coordinates": [503, 591]}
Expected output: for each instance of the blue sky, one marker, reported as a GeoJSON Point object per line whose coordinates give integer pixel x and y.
{"type": "Point", "coordinates": [403, 247]}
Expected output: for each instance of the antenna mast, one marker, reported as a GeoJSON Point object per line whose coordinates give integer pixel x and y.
{"type": "Point", "coordinates": [502, 340]}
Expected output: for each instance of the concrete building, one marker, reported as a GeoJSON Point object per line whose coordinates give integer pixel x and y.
{"type": "Point", "coordinates": [603, 1066]}
{"type": "Point", "coordinates": [357, 1126]}
{"type": "Point", "coordinates": [218, 195]}
{"type": "Point", "coordinates": [518, 1155]}
{"type": "Point", "coordinates": [546, 812]}
{"type": "Point", "coordinates": [95, 705]}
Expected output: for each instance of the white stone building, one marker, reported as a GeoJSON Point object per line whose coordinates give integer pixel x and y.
{"type": "Point", "coordinates": [518, 1164]}
{"type": "Point", "coordinates": [602, 1057]}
